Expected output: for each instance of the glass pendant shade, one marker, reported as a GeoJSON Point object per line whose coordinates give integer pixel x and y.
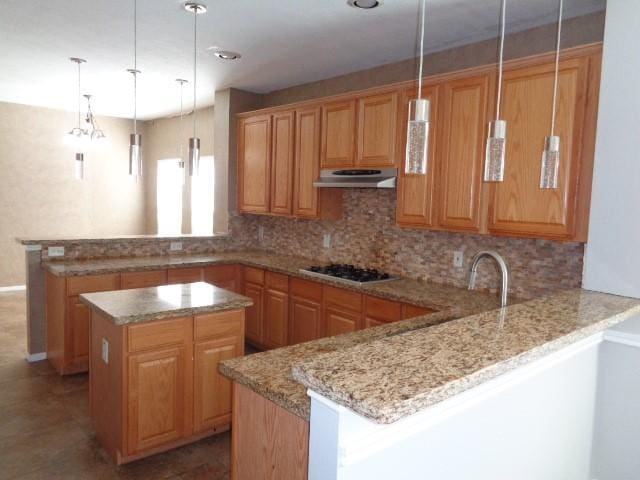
{"type": "Point", "coordinates": [79, 166]}
{"type": "Point", "coordinates": [496, 151]}
{"type": "Point", "coordinates": [550, 162]}
{"type": "Point", "coordinates": [194, 156]}
{"type": "Point", "coordinates": [135, 155]}
{"type": "Point", "coordinates": [417, 151]}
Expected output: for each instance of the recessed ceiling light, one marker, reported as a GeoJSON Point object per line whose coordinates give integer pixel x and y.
{"type": "Point", "coordinates": [227, 55]}
{"type": "Point", "coordinates": [365, 4]}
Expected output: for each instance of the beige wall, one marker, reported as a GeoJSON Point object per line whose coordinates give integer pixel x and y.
{"type": "Point", "coordinates": [162, 139]}
{"type": "Point", "coordinates": [39, 195]}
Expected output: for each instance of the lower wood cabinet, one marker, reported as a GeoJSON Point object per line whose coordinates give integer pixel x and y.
{"type": "Point", "coordinates": [224, 276]}
{"type": "Point", "coordinates": [276, 318]}
{"type": "Point", "coordinates": [185, 275]}
{"type": "Point", "coordinates": [342, 311]}
{"type": "Point", "coordinates": [305, 310]}
{"type": "Point", "coordinates": [255, 313]}
{"type": "Point", "coordinates": [151, 278]}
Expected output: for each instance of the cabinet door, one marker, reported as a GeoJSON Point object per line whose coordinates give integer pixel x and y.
{"type": "Point", "coordinates": [184, 275]}
{"type": "Point", "coordinates": [379, 310]}
{"type": "Point", "coordinates": [307, 163]}
{"type": "Point", "coordinates": [304, 320]}
{"type": "Point", "coordinates": [282, 163]}
{"type": "Point", "coordinates": [254, 164]}
{"type": "Point", "coordinates": [377, 118]}
{"type": "Point", "coordinates": [338, 134]}
{"type": "Point", "coordinates": [159, 401]}
{"type": "Point", "coordinates": [223, 276]}
{"type": "Point", "coordinates": [340, 321]}
{"type": "Point", "coordinates": [79, 318]}
{"type": "Point", "coordinates": [411, 311]}
{"type": "Point", "coordinates": [211, 390]}
{"type": "Point", "coordinates": [276, 318]}
{"type": "Point", "coordinates": [518, 206]}
{"type": "Point", "coordinates": [254, 313]}
{"type": "Point", "coordinates": [370, 322]}
{"type": "Point", "coordinates": [461, 153]}
{"type": "Point", "coordinates": [145, 279]}
{"type": "Point", "coordinates": [415, 192]}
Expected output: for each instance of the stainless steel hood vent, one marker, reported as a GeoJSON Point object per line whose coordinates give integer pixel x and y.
{"type": "Point", "coordinates": [357, 178]}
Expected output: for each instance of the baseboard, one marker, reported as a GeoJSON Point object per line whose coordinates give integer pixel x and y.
{"type": "Point", "coordinates": [13, 288]}
{"type": "Point", "coordinates": [36, 357]}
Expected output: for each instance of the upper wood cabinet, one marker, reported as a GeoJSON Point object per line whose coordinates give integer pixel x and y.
{"type": "Point", "coordinates": [307, 162]}
{"type": "Point", "coordinates": [282, 163]}
{"type": "Point", "coordinates": [518, 205]}
{"type": "Point", "coordinates": [338, 134]}
{"type": "Point", "coordinates": [377, 119]}
{"type": "Point", "coordinates": [254, 165]}
{"type": "Point", "coordinates": [415, 192]}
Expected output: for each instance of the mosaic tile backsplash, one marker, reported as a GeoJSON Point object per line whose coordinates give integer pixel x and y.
{"type": "Point", "coordinates": [367, 236]}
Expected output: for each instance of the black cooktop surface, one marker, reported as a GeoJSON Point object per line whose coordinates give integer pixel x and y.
{"type": "Point", "coordinates": [351, 272]}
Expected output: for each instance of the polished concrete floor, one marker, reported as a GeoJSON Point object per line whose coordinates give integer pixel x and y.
{"type": "Point", "coordinates": [45, 432]}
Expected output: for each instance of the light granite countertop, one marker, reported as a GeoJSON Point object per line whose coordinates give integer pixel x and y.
{"type": "Point", "coordinates": [393, 377]}
{"type": "Point", "coordinates": [155, 303]}
{"type": "Point", "coordinates": [65, 240]}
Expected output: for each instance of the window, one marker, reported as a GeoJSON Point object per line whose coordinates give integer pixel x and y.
{"type": "Point", "coordinates": [202, 187]}
{"type": "Point", "coordinates": [169, 197]}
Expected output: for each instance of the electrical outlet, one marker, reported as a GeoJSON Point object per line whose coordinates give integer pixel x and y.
{"type": "Point", "coordinates": [326, 240]}
{"type": "Point", "coordinates": [458, 258]}
{"type": "Point", "coordinates": [260, 233]}
{"type": "Point", "coordinates": [55, 251]}
{"type": "Point", "coordinates": [175, 246]}
{"type": "Point", "coordinates": [105, 350]}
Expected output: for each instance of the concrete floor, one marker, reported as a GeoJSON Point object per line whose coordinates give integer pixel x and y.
{"type": "Point", "coordinates": [45, 432]}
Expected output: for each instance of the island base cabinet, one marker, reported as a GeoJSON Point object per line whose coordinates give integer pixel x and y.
{"type": "Point", "coordinates": [267, 441]}
{"type": "Point", "coordinates": [155, 386]}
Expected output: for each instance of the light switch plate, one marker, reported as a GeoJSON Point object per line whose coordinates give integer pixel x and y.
{"type": "Point", "coordinates": [105, 350]}
{"type": "Point", "coordinates": [326, 240]}
{"type": "Point", "coordinates": [175, 246]}
{"type": "Point", "coordinates": [458, 258]}
{"type": "Point", "coordinates": [55, 251]}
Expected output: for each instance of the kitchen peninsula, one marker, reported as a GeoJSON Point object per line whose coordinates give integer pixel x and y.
{"type": "Point", "coordinates": [153, 358]}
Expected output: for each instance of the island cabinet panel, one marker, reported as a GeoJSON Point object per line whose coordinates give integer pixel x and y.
{"type": "Point", "coordinates": [518, 205]}
{"type": "Point", "coordinates": [305, 311]}
{"type": "Point", "coordinates": [254, 165]}
{"type": "Point", "coordinates": [185, 275]}
{"type": "Point", "coordinates": [267, 441]}
{"type": "Point", "coordinates": [282, 163]}
{"type": "Point", "coordinates": [415, 192]}
{"type": "Point", "coordinates": [338, 134]}
{"type": "Point", "coordinates": [151, 278]}
{"type": "Point", "coordinates": [461, 153]}
{"type": "Point", "coordinates": [377, 120]}
{"type": "Point", "coordinates": [224, 276]}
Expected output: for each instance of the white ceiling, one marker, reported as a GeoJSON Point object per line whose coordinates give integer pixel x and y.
{"type": "Point", "coordinates": [283, 43]}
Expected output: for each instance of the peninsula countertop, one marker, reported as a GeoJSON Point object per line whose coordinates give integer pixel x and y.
{"type": "Point", "coordinates": [144, 304]}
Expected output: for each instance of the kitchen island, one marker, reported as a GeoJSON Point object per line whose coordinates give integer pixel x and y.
{"type": "Point", "coordinates": [153, 356]}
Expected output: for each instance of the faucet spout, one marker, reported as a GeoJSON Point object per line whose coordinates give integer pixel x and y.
{"type": "Point", "coordinates": [504, 273]}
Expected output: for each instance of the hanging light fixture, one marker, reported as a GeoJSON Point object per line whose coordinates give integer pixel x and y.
{"type": "Point", "coordinates": [551, 154]}
{"type": "Point", "coordinates": [497, 140]}
{"type": "Point", "coordinates": [135, 139]}
{"type": "Point", "coordinates": [92, 130]}
{"type": "Point", "coordinates": [194, 142]}
{"type": "Point", "coordinates": [417, 150]}
{"type": "Point", "coordinates": [181, 164]}
{"type": "Point", "coordinates": [76, 133]}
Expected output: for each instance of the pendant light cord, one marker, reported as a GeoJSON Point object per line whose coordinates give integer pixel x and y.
{"type": "Point", "coordinates": [135, 67]}
{"type": "Point", "coordinates": [422, 7]}
{"type": "Point", "coordinates": [195, 60]}
{"type": "Point", "coordinates": [79, 97]}
{"type": "Point", "coordinates": [503, 17]}
{"type": "Point", "coordinates": [557, 71]}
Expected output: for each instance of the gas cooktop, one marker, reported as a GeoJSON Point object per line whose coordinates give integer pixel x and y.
{"type": "Point", "coordinates": [348, 274]}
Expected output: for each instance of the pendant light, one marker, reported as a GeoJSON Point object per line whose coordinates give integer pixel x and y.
{"type": "Point", "coordinates": [497, 140]}
{"type": "Point", "coordinates": [551, 154]}
{"type": "Point", "coordinates": [76, 133]}
{"type": "Point", "coordinates": [135, 139]}
{"type": "Point", "coordinates": [181, 163]}
{"type": "Point", "coordinates": [194, 142]}
{"type": "Point", "coordinates": [92, 129]}
{"type": "Point", "coordinates": [417, 149]}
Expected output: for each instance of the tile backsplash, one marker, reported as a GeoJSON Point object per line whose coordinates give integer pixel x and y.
{"type": "Point", "coordinates": [367, 236]}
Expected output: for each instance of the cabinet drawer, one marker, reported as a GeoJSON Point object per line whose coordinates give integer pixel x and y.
{"type": "Point", "coordinates": [222, 324]}
{"type": "Point", "coordinates": [220, 273]}
{"type": "Point", "coordinates": [159, 333]}
{"type": "Point", "coordinates": [381, 309]}
{"type": "Point", "coordinates": [411, 311]}
{"type": "Point", "coordinates": [254, 275]}
{"type": "Point", "coordinates": [151, 278]}
{"type": "Point", "coordinates": [305, 289]}
{"type": "Point", "coordinates": [276, 281]}
{"type": "Point", "coordinates": [342, 298]}
{"type": "Point", "coordinates": [184, 275]}
{"type": "Point", "coordinates": [92, 283]}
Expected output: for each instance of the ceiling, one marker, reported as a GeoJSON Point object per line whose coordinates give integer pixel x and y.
{"type": "Point", "coordinates": [283, 43]}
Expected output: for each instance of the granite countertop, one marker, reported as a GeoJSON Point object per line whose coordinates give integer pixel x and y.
{"type": "Point", "coordinates": [155, 303]}
{"type": "Point", "coordinates": [430, 295]}
{"type": "Point", "coordinates": [64, 240]}
{"type": "Point", "coordinates": [390, 378]}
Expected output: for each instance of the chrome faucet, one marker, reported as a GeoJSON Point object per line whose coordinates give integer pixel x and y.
{"type": "Point", "coordinates": [504, 288]}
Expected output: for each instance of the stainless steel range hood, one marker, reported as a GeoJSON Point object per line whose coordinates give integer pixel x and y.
{"type": "Point", "coordinates": [357, 178]}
